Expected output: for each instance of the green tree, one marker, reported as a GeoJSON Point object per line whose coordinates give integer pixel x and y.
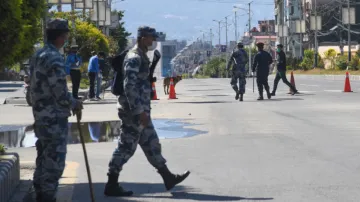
{"type": "Point", "coordinates": [119, 33]}
{"type": "Point", "coordinates": [20, 29]}
{"type": "Point", "coordinates": [330, 55]}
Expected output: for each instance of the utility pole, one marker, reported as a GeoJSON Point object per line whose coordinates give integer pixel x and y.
{"type": "Point", "coordinates": [211, 39]}
{"type": "Point", "coordinates": [349, 35]}
{"type": "Point", "coordinates": [316, 39]}
{"type": "Point", "coordinates": [73, 41]}
{"type": "Point", "coordinates": [301, 34]}
{"type": "Point", "coordinates": [236, 37]}
{"type": "Point", "coordinates": [226, 32]}
{"type": "Point", "coordinates": [219, 33]}
{"type": "Point", "coordinates": [250, 61]}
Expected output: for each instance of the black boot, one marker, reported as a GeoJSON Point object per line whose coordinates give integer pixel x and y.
{"type": "Point", "coordinates": [112, 187]}
{"type": "Point", "coordinates": [170, 180]}
{"type": "Point", "coordinates": [241, 97]}
{"type": "Point", "coordinates": [273, 93]}
{"type": "Point", "coordinates": [237, 96]}
{"type": "Point", "coordinates": [260, 97]}
{"type": "Point", "coordinates": [268, 94]}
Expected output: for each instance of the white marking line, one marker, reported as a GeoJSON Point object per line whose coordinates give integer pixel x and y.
{"type": "Point", "coordinates": [334, 91]}
{"type": "Point", "coordinates": [309, 85]}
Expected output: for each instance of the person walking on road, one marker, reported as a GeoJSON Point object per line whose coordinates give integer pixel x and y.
{"type": "Point", "coordinates": [134, 112]}
{"type": "Point", "coordinates": [261, 64]}
{"type": "Point", "coordinates": [73, 63]}
{"type": "Point", "coordinates": [240, 59]}
{"type": "Point", "coordinates": [281, 71]}
{"type": "Point", "coordinates": [52, 104]}
{"type": "Point", "coordinates": [95, 75]}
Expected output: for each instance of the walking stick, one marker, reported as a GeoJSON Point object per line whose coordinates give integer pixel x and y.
{"type": "Point", "coordinates": [253, 84]}
{"type": "Point", "coordinates": [78, 117]}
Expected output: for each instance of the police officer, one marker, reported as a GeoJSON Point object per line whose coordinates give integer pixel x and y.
{"type": "Point", "coordinates": [261, 64]}
{"type": "Point", "coordinates": [134, 112]}
{"type": "Point", "coordinates": [73, 63]}
{"type": "Point", "coordinates": [52, 104]}
{"type": "Point", "coordinates": [281, 71]}
{"type": "Point", "coordinates": [239, 58]}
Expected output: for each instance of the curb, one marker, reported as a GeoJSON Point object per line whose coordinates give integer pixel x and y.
{"type": "Point", "coordinates": [9, 175]}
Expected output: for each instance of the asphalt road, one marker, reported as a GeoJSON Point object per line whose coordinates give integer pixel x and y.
{"type": "Point", "coordinates": [290, 148]}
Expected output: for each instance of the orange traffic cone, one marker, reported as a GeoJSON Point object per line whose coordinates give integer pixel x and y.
{"type": "Point", "coordinates": [154, 97]}
{"type": "Point", "coordinates": [292, 82]}
{"type": "Point", "coordinates": [347, 87]}
{"type": "Point", "coordinates": [172, 94]}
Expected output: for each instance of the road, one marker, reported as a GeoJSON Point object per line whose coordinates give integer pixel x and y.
{"type": "Point", "coordinates": [290, 148]}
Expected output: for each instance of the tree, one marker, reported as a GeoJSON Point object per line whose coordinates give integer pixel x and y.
{"type": "Point", "coordinates": [88, 37]}
{"type": "Point", "coordinates": [19, 29]}
{"type": "Point", "coordinates": [330, 55]}
{"type": "Point", "coordinates": [119, 33]}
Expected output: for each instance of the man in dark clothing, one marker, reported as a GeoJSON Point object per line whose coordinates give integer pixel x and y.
{"type": "Point", "coordinates": [281, 71]}
{"type": "Point", "coordinates": [261, 64]}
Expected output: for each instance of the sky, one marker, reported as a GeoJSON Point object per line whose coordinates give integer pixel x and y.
{"type": "Point", "coordinates": [185, 19]}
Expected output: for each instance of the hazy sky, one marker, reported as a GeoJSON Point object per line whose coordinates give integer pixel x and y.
{"type": "Point", "coordinates": [184, 19]}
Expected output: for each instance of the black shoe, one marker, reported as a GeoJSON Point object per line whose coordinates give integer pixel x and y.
{"type": "Point", "coordinates": [170, 180]}
{"type": "Point", "coordinates": [237, 96]}
{"type": "Point", "coordinates": [294, 92]}
{"type": "Point", "coordinates": [113, 188]}
{"type": "Point", "coordinates": [241, 97]}
{"type": "Point", "coordinates": [268, 95]}
{"type": "Point", "coordinates": [272, 94]}
{"type": "Point", "coordinates": [98, 98]}
{"type": "Point", "coordinates": [260, 98]}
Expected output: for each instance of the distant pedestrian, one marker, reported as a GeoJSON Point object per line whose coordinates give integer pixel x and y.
{"type": "Point", "coordinates": [73, 64]}
{"type": "Point", "coordinates": [261, 64]}
{"type": "Point", "coordinates": [94, 75]}
{"type": "Point", "coordinates": [281, 71]}
{"type": "Point", "coordinates": [134, 112]}
{"type": "Point", "coordinates": [52, 104]}
{"type": "Point", "coordinates": [240, 59]}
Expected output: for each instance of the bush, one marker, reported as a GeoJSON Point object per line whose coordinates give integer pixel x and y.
{"type": "Point", "coordinates": [354, 63]}
{"type": "Point", "coordinates": [341, 62]}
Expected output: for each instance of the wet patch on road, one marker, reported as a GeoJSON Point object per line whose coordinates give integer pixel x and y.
{"type": "Point", "coordinates": [14, 136]}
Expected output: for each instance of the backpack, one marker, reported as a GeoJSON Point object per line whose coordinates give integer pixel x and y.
{"type": "Point", "coordinates": [117, 86]}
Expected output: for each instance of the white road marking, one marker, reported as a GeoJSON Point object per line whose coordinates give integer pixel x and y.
{"type": "Point", "coordinates": [309, 85]}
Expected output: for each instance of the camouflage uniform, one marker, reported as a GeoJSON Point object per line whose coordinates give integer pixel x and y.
{"type": "Point", "coordinates": [51, 108]}
{"type": "Point", "coordinates": [239, 58]}
{"type": "Point", "coordinates": [134, 101]}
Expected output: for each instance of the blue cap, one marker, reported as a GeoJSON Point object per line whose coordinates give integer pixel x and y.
{"type": "Point", "coordinates": [58, 24]}
{"type": "Point", "coordinates": [144, 31]}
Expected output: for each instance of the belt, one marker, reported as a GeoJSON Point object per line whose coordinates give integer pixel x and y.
{"type": "Point", "coordinates": [78, 68]}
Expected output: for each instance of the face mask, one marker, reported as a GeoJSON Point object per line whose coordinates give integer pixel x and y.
{"type": "Point", "coordinates": [278, 50]}
{"type": "Point", "coordinates": [152, 47]}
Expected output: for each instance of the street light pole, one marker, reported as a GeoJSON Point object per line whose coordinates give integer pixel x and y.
{"type": "Point", "coordinates": [226, 31]}
{"type": "Point", "coordinates": [250, 61]}
{"type": "Point", "coordinates": [236, 38]}
{"type": "Point", "coordinates": [316, 39]}
{"type": "Point", "coordinates": [349, 35]}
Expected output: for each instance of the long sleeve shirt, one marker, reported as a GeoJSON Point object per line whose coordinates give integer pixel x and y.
{"type": "Point", "coordinates": [261, 63]}
{"type": "Point", "coordinates": [93, 65]}
{"type": "Point", "coordinates": [73, 61]}
{"type": "Point", "coordinates": [281, 64]}
{"type": "Point", "coordinates": [49, 91]}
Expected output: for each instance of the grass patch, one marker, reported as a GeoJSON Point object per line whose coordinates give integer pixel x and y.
{"type": "Point", "coordinates": [84, 83]}
{"type": "Point", "coordinates": [324, 72]}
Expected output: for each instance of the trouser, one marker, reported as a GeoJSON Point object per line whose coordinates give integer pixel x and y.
{"type": "Point", "coordinates": [241, 76]}
{"type": "Point", "coordinates": [282, 75]}
{"type": "Point", "coordinates": [51, 154]}
{"type": "Point", "coordinates": [92, 77]}
{"type": "Point", "coordinates": [262, 82]}
{"type": "Point", "coordinates": [75, 80]}
{"type": "Point", "coordinates": [98, 84]}
{"type": "Point", "coordinates": [131, 135]}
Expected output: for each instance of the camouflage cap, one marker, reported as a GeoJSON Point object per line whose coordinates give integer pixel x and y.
{"type": "Point", "coordinates": [144, 31]}
{"type": "Point", "coordinates": [57, 24]}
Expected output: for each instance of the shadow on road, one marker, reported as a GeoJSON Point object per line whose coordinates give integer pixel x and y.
{"type": "Point", "coordinates": [152, 191]}
{"type": "Point", "coordinates": [7, 90]}
{"type": "Point", "coordinates": [202, 102]}
{"type": "Point", "coordinates": [207, 89]}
